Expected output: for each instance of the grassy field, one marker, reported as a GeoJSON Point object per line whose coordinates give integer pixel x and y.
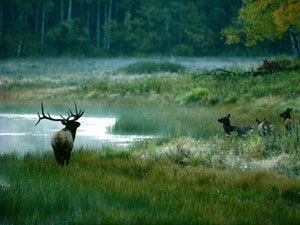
{"type": "Point", "coordinates": [115, 187]}
{"type": "Point", "coordinates": [193, 174]}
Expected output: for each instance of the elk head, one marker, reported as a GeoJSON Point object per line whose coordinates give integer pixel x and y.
{"type": "Point", "coordinates": [226, 124]}
{"type": "Point", "coordinates": [62, 141]}
{"type": "Point", "coordinates": [230, 129]}
{"type": "Point", "coordinates": [286, 115]}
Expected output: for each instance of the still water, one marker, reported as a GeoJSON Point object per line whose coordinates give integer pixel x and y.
{"type": "Point", "coordinates": [18, 133]}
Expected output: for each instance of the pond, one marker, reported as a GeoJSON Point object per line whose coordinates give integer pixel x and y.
{"type": "Point", "coordinates": [18, 133]}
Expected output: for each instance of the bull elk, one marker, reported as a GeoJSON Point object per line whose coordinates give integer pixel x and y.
{"type": "Point", "coordinates": [62, 141]}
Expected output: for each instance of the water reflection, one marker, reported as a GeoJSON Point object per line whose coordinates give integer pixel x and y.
{"type": "Point", "coordinates": [18, 133]}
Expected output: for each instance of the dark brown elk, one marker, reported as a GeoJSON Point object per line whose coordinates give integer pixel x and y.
{"type": "Point", "coordinates": [62, 141]}
{"type": "Point", "coordinates": [229, 129]}
{"type": "Point", "coordinates": [288, 122]}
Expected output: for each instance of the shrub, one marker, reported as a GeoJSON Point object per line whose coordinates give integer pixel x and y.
{"type": "Point", "coordinates": [152, 67]}
{"type": "Point", "coordinates": [212, 99]}
{"type": "Point", "coordinates": [197, 95]}
{"type": "Point", "coordinates": [231, 99]}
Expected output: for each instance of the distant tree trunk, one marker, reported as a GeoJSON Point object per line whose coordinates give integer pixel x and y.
{"type": "Point", "coordinates": [12, 11]}
{"type": "Point", "coordinates": [70, 10]}
{"type": "Point", "coordinates": [1, 20]}
{"type": "Point", "coordinates": [98, 26]}
{"type": "Point", "coordinates": [22, 21]}
{"type": "Point", "coordinates": [295, 43]}
{"type": "Point", "coordinates": [36, 23]}
{"type": "Point", "coordinates": [108, 30]}
{"type": "Point", "coordinates": [88, 23]}
{"type": "Point", "coordinates": [43, 24]}
{"type": "Point", "coordinates": [105, 27]}
{"type": "Point", "coordinates": [20, 47]}
{"type": "Point", "coordinates": [61, 11]}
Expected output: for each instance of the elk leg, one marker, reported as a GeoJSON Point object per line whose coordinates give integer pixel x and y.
{"type": "Point", "coordinates": [58, 157]}
{"type": "Point", "coordinates": [68, 156]}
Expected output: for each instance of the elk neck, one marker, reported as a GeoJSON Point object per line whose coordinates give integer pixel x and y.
{"type": "Point", "coordinates": [228, 128]}
{"type": "Point", "coordinates": [72, 130]}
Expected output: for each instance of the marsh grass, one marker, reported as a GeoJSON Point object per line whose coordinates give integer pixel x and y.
{"type": "Point", "coordinates": [180, 88]}
{"type": "Point", "coordinates": [88, 80]}
{"type": "Point", "coordinates": [193, 175]}
{"type": "Point", "coordinates": [115, 187]}
{"type": "Point", "coordinates": [169, 121]}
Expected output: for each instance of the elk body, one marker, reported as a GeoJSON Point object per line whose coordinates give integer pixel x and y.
{"type": "Point", "coordinates": [264, 127]}
{"type": "Point", "coordinates": [62, 141]}
{"type": "Point", "coordinates": [229, 129]}
{"type": "Point", "coordinates": [288, 122]}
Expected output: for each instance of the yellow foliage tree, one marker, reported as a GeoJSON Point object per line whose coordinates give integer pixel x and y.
{"type": "Point", "coordinates": [265, 19]}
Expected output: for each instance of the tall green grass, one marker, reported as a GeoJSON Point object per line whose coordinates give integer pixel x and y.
{"type": "Point", "coordinates": [113, 187]}
{"type": "Point", "coordinates": [206, 90]}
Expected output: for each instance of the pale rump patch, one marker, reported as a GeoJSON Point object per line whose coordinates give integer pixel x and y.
{"type": "Point", "coordinates": [58, 139]}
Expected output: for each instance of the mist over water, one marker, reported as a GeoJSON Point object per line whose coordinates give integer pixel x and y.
{"type": "Point", "coordinates": [57, 66]}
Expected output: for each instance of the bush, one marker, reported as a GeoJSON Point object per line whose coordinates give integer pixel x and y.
{"type": "Point", "coordinates": [152, 67]}
{"type": "Point", "coordinates": [231, 99]}
{"type": "Point", "coordinates": [198, 95]}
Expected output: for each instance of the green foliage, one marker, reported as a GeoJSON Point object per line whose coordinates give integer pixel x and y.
{"type": "Point", "coordinates": [259, 20]}
{"type": "Point", "coordinates": [150, 27]}
{"type": "Point", "coordinates": [8, 46]}
{"type": "Point", "coordinates": [182, 50]}
{"type": "Point", "coordinates": [152, 67]}
{"type": "Point", "coordinates": [68, 38]}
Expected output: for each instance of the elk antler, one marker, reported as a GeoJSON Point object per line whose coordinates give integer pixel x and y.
{"type": "Point", "coordinates": [45, 116]}
{"type": "Point", "coordinates": [75, 116]}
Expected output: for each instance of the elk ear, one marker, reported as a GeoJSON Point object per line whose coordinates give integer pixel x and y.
{"type": "Point", "coordinates": [228, 116]}
{"type": "Point", "coordinates": [64, 122]}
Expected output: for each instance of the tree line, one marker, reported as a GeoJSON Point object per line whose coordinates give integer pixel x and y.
{"type": "Point", "coordinates": [122, 27]}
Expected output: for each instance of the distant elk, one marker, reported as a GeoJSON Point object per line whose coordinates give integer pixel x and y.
{"type": "Point", "coordinates": [288, 122]}
{"type": "Point", "coordinates": [62, 141]}
{"type": "Point", "coordinates": [231, 129]}
{"type": "Point", "coordinates": [264, 127]}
